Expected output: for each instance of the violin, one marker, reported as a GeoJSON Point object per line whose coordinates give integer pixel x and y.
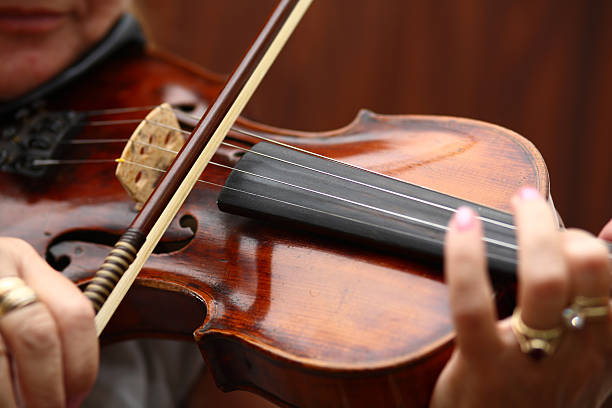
{"type": "Point", "coordinates": [305, 308]}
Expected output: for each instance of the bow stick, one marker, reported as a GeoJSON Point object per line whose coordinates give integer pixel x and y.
{"type": "Point", "coordinates": [125, 260]}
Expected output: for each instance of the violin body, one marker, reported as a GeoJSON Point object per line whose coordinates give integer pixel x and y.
{"type": "Point", "coordinates": [302, 318]}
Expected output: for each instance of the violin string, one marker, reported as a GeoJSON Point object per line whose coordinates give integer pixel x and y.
{"type": "Point", "coordinates": [54, 162]}
{"type": "Point", "coordinates": [347, 179]}
{"type": "Point", "coordinates": [112, 122]}
{"type": "Point", "coordinates": [114, 111]}
{"type": "Point", "coordinates": [491, 241]}
{"type": "Point", "coordinates": [392, 192]}
{"type": "Point", "coordinates": [49, 162]}
{"type": "Point", "coordinates": [369, 224]}
{"type": "Point", "coordinates": [94, 141]}
{"type": "Point", "coordinates": [259, 136]}
{"type": "Point", "coordinates": [386, 212]}
{"type": "Point", "coordinates": [367, 185]}
{"type": "Point", "coordinates": [334, 197]}
{"type": "Point", "coordinates": [367, 206]}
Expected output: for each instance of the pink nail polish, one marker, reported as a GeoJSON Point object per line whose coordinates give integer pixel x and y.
{"type": "Point", "coordinates": [529, 193]}
{"type": "Point", "coordinates": [464, 218]}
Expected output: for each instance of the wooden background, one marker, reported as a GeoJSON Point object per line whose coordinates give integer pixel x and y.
{"type": "Point", "coordinates": [541, 68]}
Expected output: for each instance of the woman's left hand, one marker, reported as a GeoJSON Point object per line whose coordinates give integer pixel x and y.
{"type": "Point", "coordinates": [556, 269]}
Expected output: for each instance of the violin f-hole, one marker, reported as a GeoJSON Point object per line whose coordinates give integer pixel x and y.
{"type": "Point", "coordinates": [65, 246]}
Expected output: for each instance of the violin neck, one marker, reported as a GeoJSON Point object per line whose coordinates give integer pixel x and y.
{"type": "Point", "coordinates": [314, 193]}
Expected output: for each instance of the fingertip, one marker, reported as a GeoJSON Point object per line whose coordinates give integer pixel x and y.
{"type": "Point", "coordinates": [464, 232]}
{"type": "Point", "coordinates": [461, 238]}
{"type": "Point", "coordinates": [525, 195]}
{"type": "Point", "coordinates": [529, 193]}
{"type": "Point", "coordinates": [606, 232]}
{"type": "Point", "coordinates": [464, 219]}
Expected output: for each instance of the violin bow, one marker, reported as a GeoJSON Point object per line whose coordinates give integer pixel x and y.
{"type": "Point", "coordinates": [121, 266]}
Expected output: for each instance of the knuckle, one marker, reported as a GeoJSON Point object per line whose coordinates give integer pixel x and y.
{"type": "Point", "coordinates": [466, 288]}
{"type": "Point", "coordinates": [38, 332]}
{"type": "Point", "coordinates": [587, 254]}
{"type": "Point", "coordinates": [553, 283]}
{"type": "Point", "coordinates": [466, 257]}
{"type": "Point", "coordinates": [535, 213]}
{"type": "Point", "coordinates": [544, 241]}
{"type": "Point", "coordinates": [469, 314]}
{"type": "Point", "coordinates": [12, 247]}
{"type": "Point", "coordinates": [76, 313]}
{"type": "Point", "coordinates": [15, 245]}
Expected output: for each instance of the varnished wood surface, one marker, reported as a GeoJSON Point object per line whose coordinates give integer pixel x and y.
{"type": "Point", "coordinates": [301, 318]}
{"type": "Point", "coordinates": [538, 68]}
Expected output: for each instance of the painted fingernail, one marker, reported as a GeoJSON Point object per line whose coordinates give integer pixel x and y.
{"type": "Point", "coordinates": [529, 193]}
{"type": "Point", "coordinates": [464, 218]}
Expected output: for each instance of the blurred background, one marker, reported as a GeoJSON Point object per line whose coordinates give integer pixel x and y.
{"type": "Point", "coordinates": [541, 68]}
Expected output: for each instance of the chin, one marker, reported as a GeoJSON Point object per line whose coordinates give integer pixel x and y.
{"type": "Point", "coordinates": [31, 63]}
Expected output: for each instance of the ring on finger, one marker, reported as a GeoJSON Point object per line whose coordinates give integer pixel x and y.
{"type": "Point", "coordinates": [583, 308]}
{"type": "Point", "coordinates": [15, 294]}
{"type": "Point", "coordinates": [537, 344]}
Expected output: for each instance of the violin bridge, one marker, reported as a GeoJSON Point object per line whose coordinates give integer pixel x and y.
{"type": "Point", "coordinates": [148, 152]}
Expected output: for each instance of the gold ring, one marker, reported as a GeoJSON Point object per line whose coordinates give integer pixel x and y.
{"type": "Point", "coordinates": [15, 294]}
{"type": "Point", "coordinates": [583, 308]}
{"type": "Point", "coordinates": [586, 301]}
{"type": "Point", "coordinates": [535, 343]}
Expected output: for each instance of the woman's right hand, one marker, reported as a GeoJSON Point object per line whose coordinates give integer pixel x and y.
{"type": "Point", "coordinates": [49, 348]}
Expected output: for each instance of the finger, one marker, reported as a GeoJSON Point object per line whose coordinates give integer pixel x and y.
{"type": "Point", "coordinates": [73, 316]}
{"type": "Point", "coordinates": [31, 336]}
{"type": "Point", "coordinates": [606, 232]}
{"type": "Point", "coordinates": [471, 297]}
{"type": "Point", "coordinates": [588, 264]}
{"type": "Point", "coordinates": [543, 276]}
{"type": "Point", "coordinates": [7, 397]}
